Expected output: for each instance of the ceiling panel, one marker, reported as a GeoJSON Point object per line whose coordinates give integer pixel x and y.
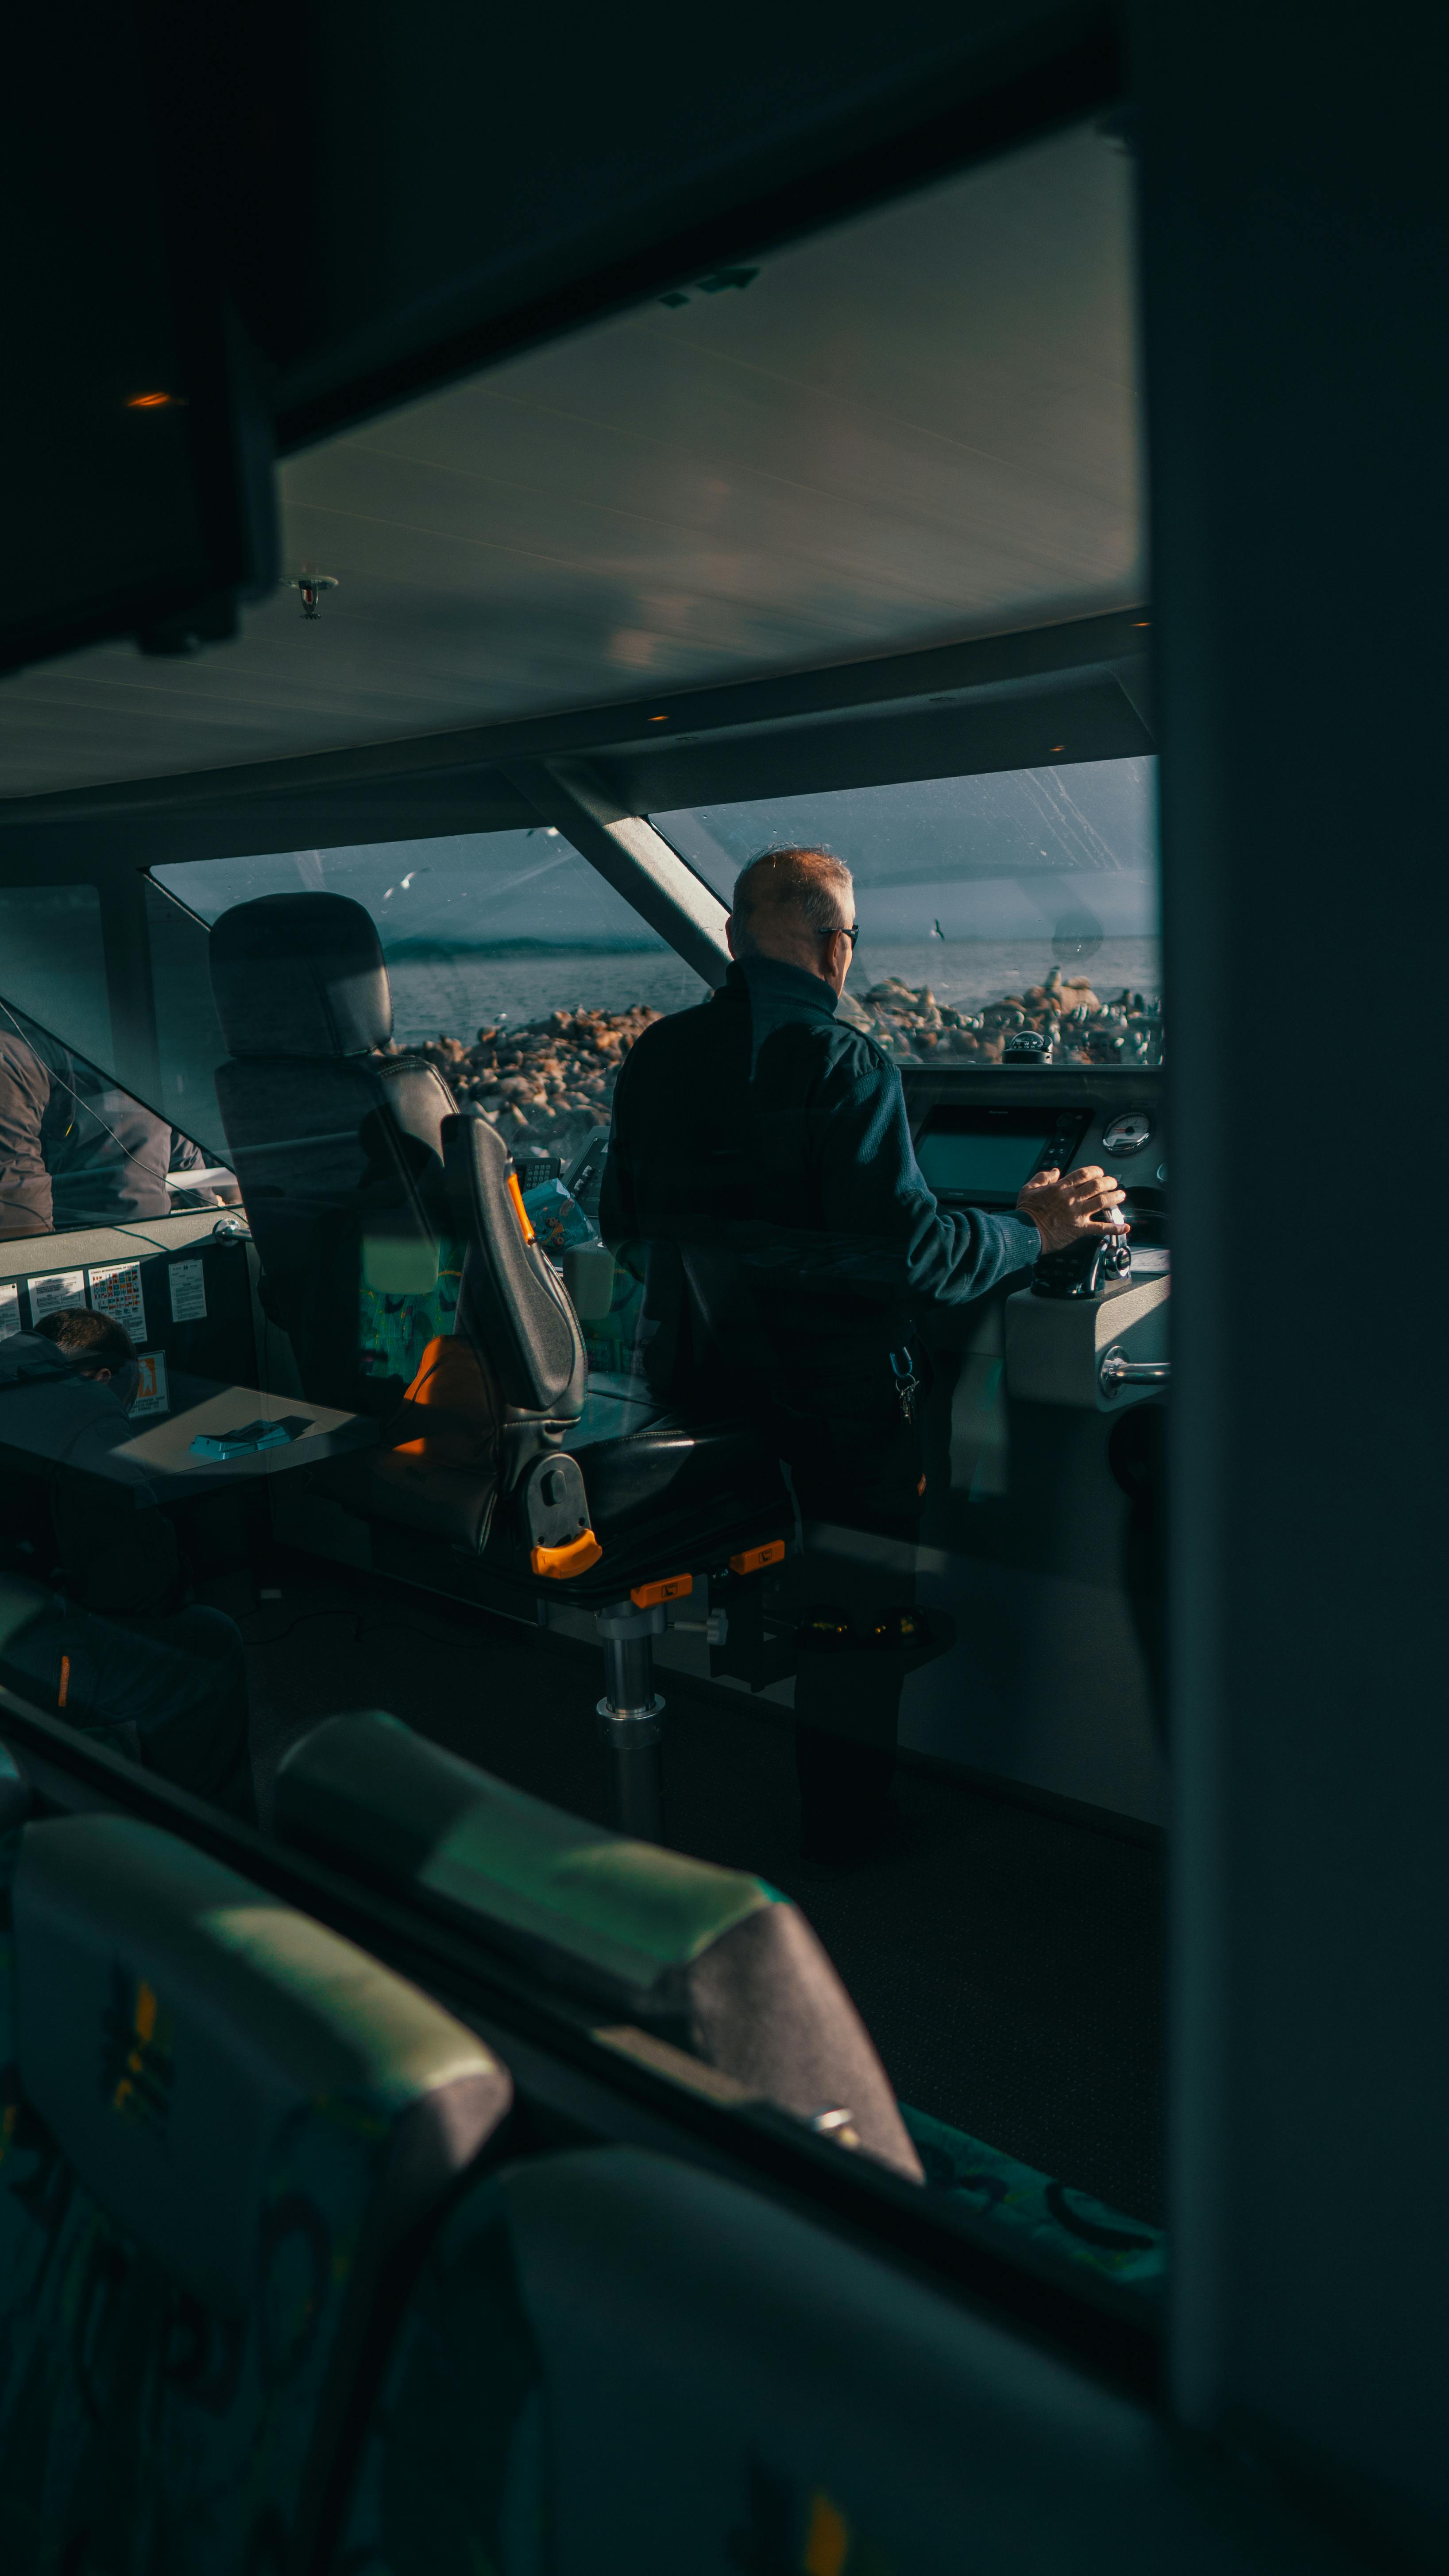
{"type": "Point", "coordinates": [919, 427]}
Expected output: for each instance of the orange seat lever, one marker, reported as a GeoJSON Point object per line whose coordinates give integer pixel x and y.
{"type": "Point", "coordinates": [560, 1564]}
{"type": "Point", "coordinates": [670, 1587]}
{"type": "Point", "coordinates": [750, 1559]}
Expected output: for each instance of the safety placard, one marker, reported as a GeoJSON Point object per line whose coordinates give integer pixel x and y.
{"type": "Point", "coordinates": [187, 1281]}
{"type": "Point", "coordinates": [152, 1395]}
{"type": "Point", "coordinates": [9, 1311]}
{"type": "Point", "coordinates": [58, 1288]}
{"type": "Point", "coordinates": [116, 1290]}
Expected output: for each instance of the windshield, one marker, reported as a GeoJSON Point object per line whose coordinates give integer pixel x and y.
{"type": "Point", "coordinates": [512, 963]}
{"type": "Point", "coordinates": [999, 916]}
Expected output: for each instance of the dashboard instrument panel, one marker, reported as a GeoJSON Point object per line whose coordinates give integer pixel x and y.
{"type": "Point", "coordinates": [980, 1135]}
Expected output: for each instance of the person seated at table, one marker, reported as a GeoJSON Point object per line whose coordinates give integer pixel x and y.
{"type": "Point", "coordinates": [128, 1647]}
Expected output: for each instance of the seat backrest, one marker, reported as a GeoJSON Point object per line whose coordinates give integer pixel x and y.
{"type": "Point", "coordinates": [337, 1147]}
{"type": "Point", "coordinates": [618, 2361]}
{"type": "Point", "coordinates": [384, 1220]}
{"type": "Point", "coordinates": [518, 1309]}
{"type": "Point", "coordinates": [223, 2128]}
{"type": "Point", "coordinates": [711, 1960]}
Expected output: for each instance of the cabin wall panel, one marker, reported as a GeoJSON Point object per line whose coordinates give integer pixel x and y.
{"type": "Point", "coordinates": [1295, 223]}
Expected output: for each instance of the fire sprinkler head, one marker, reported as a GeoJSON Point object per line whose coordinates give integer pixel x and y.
{"type": "Point", "coordinates": [311, 585]}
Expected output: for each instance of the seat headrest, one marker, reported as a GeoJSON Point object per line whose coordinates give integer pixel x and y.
{"type": "Point", "coordinates": [194, 2046]}
{"type": "Point", "coordinates": [578, 1900]}
{"type": "Point", "coordinates": [300, 975]}
{"type": "Point", "coordinates": [713, 1952]}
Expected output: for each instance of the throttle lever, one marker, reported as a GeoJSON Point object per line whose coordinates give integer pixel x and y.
{"type": "Point", "coordinates": [1085, 1268]}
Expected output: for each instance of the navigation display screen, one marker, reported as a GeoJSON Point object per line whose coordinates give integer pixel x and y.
{"type": "Point", "coordinates": [995, 1164]}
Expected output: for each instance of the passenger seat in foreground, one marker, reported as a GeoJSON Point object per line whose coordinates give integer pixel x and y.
{"type": "Point", "coordinates": [710, 1961]}
{"type": "Point", "coordinates": [223, 2130]}
{"type": "Point", "coordinates": [618, 2362]}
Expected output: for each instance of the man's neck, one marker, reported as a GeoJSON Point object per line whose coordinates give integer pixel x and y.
{"type": "Point", "coordinates": [757, 958]}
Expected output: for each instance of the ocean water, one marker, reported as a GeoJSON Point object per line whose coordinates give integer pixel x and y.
{"type": "Point", "coordinates": [965, 973]}
{"type": "Point", "coordinates": [454, 997]}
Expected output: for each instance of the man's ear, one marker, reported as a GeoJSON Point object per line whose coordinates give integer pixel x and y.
{"type": "Point", "coordinates": [730, 936]}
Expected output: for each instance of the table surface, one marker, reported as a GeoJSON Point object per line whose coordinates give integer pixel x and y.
{"type": "Point", "coordinates": [163, 1446]}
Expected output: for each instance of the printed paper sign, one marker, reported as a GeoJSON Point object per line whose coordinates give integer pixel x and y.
{"type": "Point", "coordinates": [57, 1289]}
{"type": "Point", "coordinates": [9, 1312]}
{"type": "Point", "coordinates": [116, 1290]}
{"type": "Point", "coordinates": [188, 1291]}
{"type": "Point", "coordinates": [152, 1396]}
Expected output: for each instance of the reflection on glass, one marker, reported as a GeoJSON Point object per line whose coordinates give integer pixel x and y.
{"type": "Point", "coordinates": [514, 966]}
{"type": "Point", "coordinates": [101, 1620]}
{"type": "Point", "coordinates": [288, 1498]}
{"type": "Point", "coordinates": [52, 962]}
{"type": "Point", "coordinates": [1022, 901]}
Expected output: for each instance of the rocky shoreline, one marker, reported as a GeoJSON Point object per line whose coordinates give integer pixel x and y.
{"type": "Point", "coordinates": [548, 1085]}
{"type": "Point", "coordinates": [1063, 1014]}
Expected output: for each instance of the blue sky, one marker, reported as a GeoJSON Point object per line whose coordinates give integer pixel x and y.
{"type": "Point", "coordinates": [1072, 850]}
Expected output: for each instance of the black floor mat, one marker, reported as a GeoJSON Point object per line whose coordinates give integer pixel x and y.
{"type": "Point", "coordinates": [1007, 1961]}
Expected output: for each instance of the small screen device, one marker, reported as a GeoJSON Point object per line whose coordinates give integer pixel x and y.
{"type": "Point", "coordinates": [979, 1151]}
{"type": "Point", "coordinates": [994, 1164]}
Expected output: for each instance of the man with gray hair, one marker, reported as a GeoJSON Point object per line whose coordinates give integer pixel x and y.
{"type": "Point", "coordinates": [761, 1156]}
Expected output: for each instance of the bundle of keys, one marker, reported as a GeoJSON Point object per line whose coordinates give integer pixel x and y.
{"type": "Point", "coordinates": [907, 1385]}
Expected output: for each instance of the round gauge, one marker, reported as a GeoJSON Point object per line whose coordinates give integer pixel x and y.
{"type": "Point", "coordinates": [1127, 1135]}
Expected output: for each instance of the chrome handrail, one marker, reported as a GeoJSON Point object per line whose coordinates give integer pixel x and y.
{"type": "Point", "coordinates": [1118, 1371]}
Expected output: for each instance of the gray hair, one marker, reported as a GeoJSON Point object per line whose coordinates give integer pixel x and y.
{"type": "Point", "coordinates": [814, 885]}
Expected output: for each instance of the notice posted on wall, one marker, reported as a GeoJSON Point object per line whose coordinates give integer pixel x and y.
{"type": "Point", "coordinates": [9, 1310]}
{"type": "Point", "coordinates": [58, 1288]}
{"type": "Point", "coordinates": [116, 1290]}
{"type": "Point", "coordinates": [152, 1395]}
{"type": "Point", "coordinates": [187, 1280]}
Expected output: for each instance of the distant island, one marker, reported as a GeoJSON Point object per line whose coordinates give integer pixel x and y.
{"type": "Point", "coordinates": [438, 951]}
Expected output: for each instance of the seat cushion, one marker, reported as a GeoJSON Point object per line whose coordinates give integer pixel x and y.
{"type": "Point", "coordinates": [641, 1465]}
{"type": "Point", "coordinates": [664, 1495]}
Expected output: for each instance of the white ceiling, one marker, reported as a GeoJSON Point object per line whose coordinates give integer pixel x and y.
{"type": "Point", "coordinates": [919, 427]}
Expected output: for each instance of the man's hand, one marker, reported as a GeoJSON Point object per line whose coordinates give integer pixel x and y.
{"type": "Point", "coordinates": [1064, 1210]}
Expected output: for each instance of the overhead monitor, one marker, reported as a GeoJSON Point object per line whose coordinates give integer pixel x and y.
{"type": "Point", "coordinates": [139, 451]}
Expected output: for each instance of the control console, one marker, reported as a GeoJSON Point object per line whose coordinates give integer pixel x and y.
{"type": "Point", "coordinates": [979, 1135]}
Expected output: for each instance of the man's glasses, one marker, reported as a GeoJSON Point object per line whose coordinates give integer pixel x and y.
{"type": "Point", "coordinates": [840, 932]}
